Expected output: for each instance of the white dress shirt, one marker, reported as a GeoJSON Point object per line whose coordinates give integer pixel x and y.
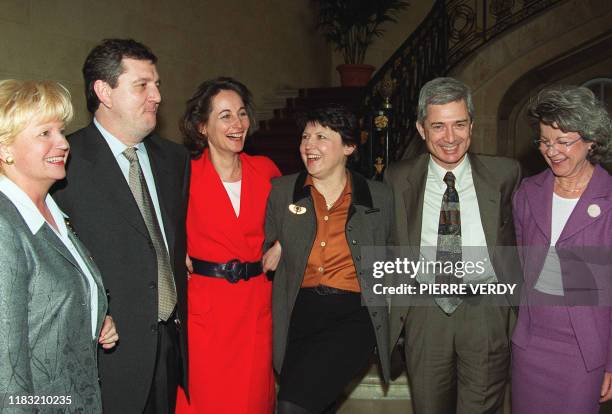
{"type": "Point", "coordinates": [117, 147]}
{"type": "Point", "coordinates": [233, 192]}
{"type": "Point", "coordinates": [473, 241]}
{"type": "Point", "coordinates": [35, 220]}
{"type": "Point", "coordinates": [550, 280]}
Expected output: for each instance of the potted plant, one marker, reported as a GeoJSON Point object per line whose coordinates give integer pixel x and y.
{"type": "Point", "coordinates": [351, 26]}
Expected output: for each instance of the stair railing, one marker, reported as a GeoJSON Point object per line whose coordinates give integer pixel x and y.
{"type": "Point", "coordinates": [452, 31]}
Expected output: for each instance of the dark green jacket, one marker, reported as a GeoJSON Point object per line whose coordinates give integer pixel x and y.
{"type": "Point", "coordinates": [369, 224]}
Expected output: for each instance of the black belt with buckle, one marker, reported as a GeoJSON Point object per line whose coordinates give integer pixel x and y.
{"type": "Point", "coordinates": [232, 271]}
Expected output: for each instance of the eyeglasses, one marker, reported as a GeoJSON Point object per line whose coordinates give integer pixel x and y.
{"type": "Point", "coordinates": [558, 145]}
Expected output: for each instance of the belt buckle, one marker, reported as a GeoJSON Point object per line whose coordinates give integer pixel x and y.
{"type": "Point", "coordinates": [234, 271]}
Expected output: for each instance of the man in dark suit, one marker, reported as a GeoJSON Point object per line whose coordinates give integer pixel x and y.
{"type": "Point", "coordinates": [447, 203]}
{"type": "Point", "coordinates": [126, 192]}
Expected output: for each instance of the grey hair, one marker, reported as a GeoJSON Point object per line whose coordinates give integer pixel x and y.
{"type": "Point", "coordinates": [440, 91]}
{"type": "Point", "coordinates": [574, 109]}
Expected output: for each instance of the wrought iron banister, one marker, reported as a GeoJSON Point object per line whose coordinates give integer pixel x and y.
{"type": "Point", "coordinates": [453, 30]}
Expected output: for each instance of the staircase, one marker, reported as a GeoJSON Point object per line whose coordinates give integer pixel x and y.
{"type": "Point", "coordinates": [279, 138]}
{"type": "Point", "coordinates": [452, 31]}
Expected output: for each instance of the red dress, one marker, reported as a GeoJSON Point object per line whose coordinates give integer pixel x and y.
{"type": "Point", "coordinates": [230, 325]}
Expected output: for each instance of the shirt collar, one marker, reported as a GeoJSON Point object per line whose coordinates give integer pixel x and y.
{"type": "Point", "coordinates": [348, 188]}
{"type": "Point", "coordinates": [33, 218]}
{"type": "Point", "coordinates": [460, 171]}
{"type": "Point", "coordinates": [117, 147]}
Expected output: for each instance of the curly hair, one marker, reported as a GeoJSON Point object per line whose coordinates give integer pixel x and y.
{"type": "Point", "coordinates": [574, 109]}
{"type": "Point", "coordinates": [199, 107]}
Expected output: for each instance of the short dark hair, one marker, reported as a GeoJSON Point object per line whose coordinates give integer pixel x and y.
{"type": "Point", "coordinates": [574, 109]}
{"type": "Point", "coordinates": [104, 63]}
{"type": "Point", "coordinates": [199, 107]}
{"type": "Point", "coordinates": [335, 117]}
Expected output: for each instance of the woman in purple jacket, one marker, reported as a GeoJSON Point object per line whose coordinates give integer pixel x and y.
{"type": "Point", "coordinates": [562, 355]}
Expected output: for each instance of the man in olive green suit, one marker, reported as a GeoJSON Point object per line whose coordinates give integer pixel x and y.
{"type": "Point", "coordinates": [457, 347]}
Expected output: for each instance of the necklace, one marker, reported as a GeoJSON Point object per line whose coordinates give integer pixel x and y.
{"type": "Point", "coordinates": [577, 189]}
{"type": "Point", "coordinates": [330, 205]}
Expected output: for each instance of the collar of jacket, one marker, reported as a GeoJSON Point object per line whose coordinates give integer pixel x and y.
{"type": "Point", "coordinates": [361, 191]}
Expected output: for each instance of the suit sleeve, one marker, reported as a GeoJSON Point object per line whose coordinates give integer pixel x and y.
{"type": "Point", "coordinates": [272, 226]}
{"type": "Point", "coordinates": [393, 239]}
{"type": "Point", "coordinates": [518, 208]}
{"type": "Point", "coordinates": [271, 229]}
{"type": "Point", "coordinates": [609, 359]}
{"type": "Point", "coordinates": [518, 176]}
{"type": "Point", "coordinates": [15, 372]}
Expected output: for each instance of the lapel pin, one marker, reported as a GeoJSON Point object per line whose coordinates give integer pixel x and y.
{"type": "Point", "coordinates": [297, 209]}
{"type": "Point", "coordinates": [594, 210]}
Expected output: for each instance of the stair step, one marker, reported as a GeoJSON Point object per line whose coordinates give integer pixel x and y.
{"type": "Point", "coordinates": [279, 138]}
{"type": "Point", "coordinates": [333, 92]}
{"type": "Point", "coordinates": [313, 102]}
{"type": "Point", "coordinates": [277, 123]}
{"type": "Point", "coordinates": [292, 135]}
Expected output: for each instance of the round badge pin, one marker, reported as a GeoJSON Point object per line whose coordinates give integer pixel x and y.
{"type": "Point", "coordinates": [295, 209]}
{"type": "Point", "coordinates": [594, 210]}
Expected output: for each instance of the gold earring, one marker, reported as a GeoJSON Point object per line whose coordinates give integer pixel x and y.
{"type": "Point", "coordinates": [9, 160]}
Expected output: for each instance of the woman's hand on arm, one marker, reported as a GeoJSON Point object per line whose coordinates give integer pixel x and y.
{"type": "Point", "coordinates": [606, 387]}
{"type": "Point", "coordinates": [108, 334]}
{"type": "Point", "coordinates": [271, 258]}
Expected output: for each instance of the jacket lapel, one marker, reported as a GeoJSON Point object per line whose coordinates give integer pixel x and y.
{"type": "Point", "coordinates": [413, 195]}
{"type": "Point", "coordinates": [592, 205]}
{"type": "Point", "coordinates": [52, 240]}
{"type": "Point", "coordinates": [221, 208]}
{"type": "Point", "coordinates": [95, 273]}
{"type": "Point", "coordinates": [539, 194]}
{"type": "Point", "coordinates": [488, 196]}
{"type": "Point", "coordinates": [110, 181]}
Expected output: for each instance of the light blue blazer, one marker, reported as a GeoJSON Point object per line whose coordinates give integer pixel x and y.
{"type": "Point", "coordinates": [46, 344]}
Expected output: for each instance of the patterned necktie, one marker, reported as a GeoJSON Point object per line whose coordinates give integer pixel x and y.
{"type": "Point", "coordinates": [166, 290]}
{"type": "Point", "coordinates": [449, 241]}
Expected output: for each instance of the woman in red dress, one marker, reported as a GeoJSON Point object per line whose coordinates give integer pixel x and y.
{"type": "Point", "coordinates": [230, 321]}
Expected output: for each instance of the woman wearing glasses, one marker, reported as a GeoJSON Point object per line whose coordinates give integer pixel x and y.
{"type": "Point", "coordinates": [562, 356]}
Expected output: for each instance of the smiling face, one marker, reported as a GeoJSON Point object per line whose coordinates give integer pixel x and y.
{"type": "Point", "coordinates": [129, 110]}
{"type": "Point", "coordinates": [40, 152]}
{"type": "Point", "coordinates": [323, 152]}
{"type": "Point", "coordinates": [447, 131]}
{"type": "Point", "coordinates": [564, 161]}
{"type": "Point", "coordinates": [228, 123]}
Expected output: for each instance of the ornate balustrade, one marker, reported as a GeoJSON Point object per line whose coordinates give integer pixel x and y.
{"type": "Point", "coordinates": [452, 31]}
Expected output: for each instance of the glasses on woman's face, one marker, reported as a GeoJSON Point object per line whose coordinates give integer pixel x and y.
{"type": "Point", "coordinates": [560, 145]}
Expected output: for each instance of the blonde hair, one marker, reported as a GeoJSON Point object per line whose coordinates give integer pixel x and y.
{"type": "Point", "coordinates": [21, 101]}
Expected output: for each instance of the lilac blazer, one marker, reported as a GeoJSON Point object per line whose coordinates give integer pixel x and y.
{"type": "Point", "coordinates": [589, 228]}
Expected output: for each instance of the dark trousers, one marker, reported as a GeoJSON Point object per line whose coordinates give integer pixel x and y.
{"type": "Point", "coordinates": [162, 395]}
{"type": "Point", "coordinates": [330, 342]}
{"type": "Point", "coordinates": [458, 363]}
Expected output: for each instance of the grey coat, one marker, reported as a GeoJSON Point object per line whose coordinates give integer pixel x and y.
{"type": "Point", "coordinates": [46, 345]}
{"type": "Point", "coordinates": [369, 224]}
